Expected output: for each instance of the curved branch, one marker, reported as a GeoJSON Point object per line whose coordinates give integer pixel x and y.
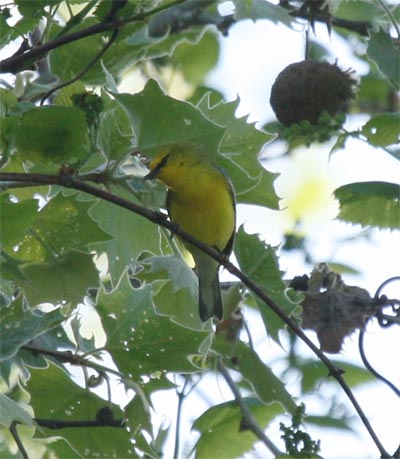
{"type": "Point", "coordinates": [66, 180]}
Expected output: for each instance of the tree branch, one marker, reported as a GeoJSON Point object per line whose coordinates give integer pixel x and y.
{"type": "Point", "coordinates": [67, 180]}
{"type": "Point", "coordinates": [248, 418]}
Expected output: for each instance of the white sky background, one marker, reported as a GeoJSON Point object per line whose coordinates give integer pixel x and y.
{"type": "Point", "coordinates": [251, 58]}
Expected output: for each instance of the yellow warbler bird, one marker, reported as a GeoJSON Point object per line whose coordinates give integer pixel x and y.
{"type": "Point", "coordinates": [201, 201]}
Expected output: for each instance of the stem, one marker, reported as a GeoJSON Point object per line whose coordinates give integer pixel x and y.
{"type": "Point", "coordinates": [14, 433]}
{"type": "Point", "coordinates": [248, 418]}
{"type": "Point", "coordinates": [70, 181]}
{"type": "Point", "coordinates": [181, 396]}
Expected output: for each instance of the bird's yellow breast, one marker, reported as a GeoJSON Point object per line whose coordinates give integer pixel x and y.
{"type": "Point", "coordinates": [202, 204]}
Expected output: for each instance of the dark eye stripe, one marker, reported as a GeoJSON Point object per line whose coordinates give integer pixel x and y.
{"type": "Point", "coordinates": [160, 165]}
{"type": "Point", "coordinates": [163, 162]}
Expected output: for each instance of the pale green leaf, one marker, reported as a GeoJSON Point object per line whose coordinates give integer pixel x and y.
{"type": "Point", "coordinates": [219, 428]}
{"type": "Point", "coordinates": [76, 404]}
{"type": "Point", "coordinates": [63, 279]}
{"type": "Point", "coordinates": [262, 9]}
{"type": "Point", "coordinates": [383, 130]}
{"type": "Point", "coordinates": [260, 263]}
{"type": "Point", "coordinates": [140, 341]}
{"type": "Point", "coordinates": [268, 387]}
{"type": "Point", "coordinates": [131, 235]}
{"type": "Point", "coordinates": [12, 411]}
{"type": "Point", "coordinates": [16, 217]}
{"type": "Point", "coordinates": [241, 145]}
{"type": "Point", "coordinates": [52, 133]}
{"type": "Point", "coordinates": [383, 50]}
{"type": "Point", "coordinates": [20, 325]}
{"type": "Point", "coordinates": [195, 61]}
{"type": "Point", "coordinates": [177, 292]}
{"type": "Point", "coordinates": [159, 120]}
{"type": "Point", "coordinates": [370, 204]}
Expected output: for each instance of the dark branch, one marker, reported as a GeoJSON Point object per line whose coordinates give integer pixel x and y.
{"type": "Point", "coordinates": [56, 424]}
{"type": "Point", "coordinates": [14, 433]}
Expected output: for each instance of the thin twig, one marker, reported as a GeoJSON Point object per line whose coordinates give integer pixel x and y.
{"type": "Point", "coordinates": [181, 396]}
{"type": "Point", "coordinates": [14, 433]}
{"type": "Point", "coordinates": [84, 71]}
{"type": "Point", "coordinates": [249, 421]}
{"type": "Point", "coordinates": [370, 368]}
{"type": "Point", "coordinates": [162, 220]}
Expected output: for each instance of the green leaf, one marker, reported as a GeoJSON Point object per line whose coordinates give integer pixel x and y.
{"type": "Point", "coordinates": [16, 219]}
{"type": "Point", "coordinates": [8, 100]}
{"type": "Point", "coordinates": [260, 263]}
{"type": "Point", "coordinates": [20, 325]}
{"type": "Point", "coordinates": [220, 431]}
{"type": "Point", "coordinates": [241, 146]}
{"type": "Point", "coordinates": [140, 341]}
{"type": "Point", "coordinates": [313, 373]}
{"type": "Point", "coordinates": [383, 50]}
{"type": "Point", "coordinates": [261, 9]}
{"type": "Point", "coordinates": [64, 224]}
{"type": "Point", "coordinates": [159, 120]}
{"type": "Point", "coordinates": [75, 403]}
{"type": "Point", "coordinates": [383, 130]}
{"type": "Point", "coordinates": [197, 60]}
{"type": "Point", "coordinates": [370, 204]}
{"type": "Point", "coordinates": [52, 133]}
{"type": "Point", "coordinates": [177, 295]}
{"type": "Point", "coordinates": [12, 411]}
{"type": "Point", "coordinates": [63, 279]}
{"type": "Point", "coordinates": [359, 10]}
{"type": "Point", "coordinates": [268, 387]}
{"type": "Point", "coordinates": [115, 131]}
{"type": "Point", "coordinates": [132, 234]}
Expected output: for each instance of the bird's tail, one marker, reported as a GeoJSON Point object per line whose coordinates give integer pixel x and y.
{"type": "Point", "coordinates": [210, 301]}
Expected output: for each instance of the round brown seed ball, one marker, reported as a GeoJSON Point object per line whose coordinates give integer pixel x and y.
{"type": "Point", "coordinates": [302, 91]}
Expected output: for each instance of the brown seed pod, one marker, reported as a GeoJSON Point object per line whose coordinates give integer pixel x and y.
{"type": "Point", "coordinates": [302, 91]}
